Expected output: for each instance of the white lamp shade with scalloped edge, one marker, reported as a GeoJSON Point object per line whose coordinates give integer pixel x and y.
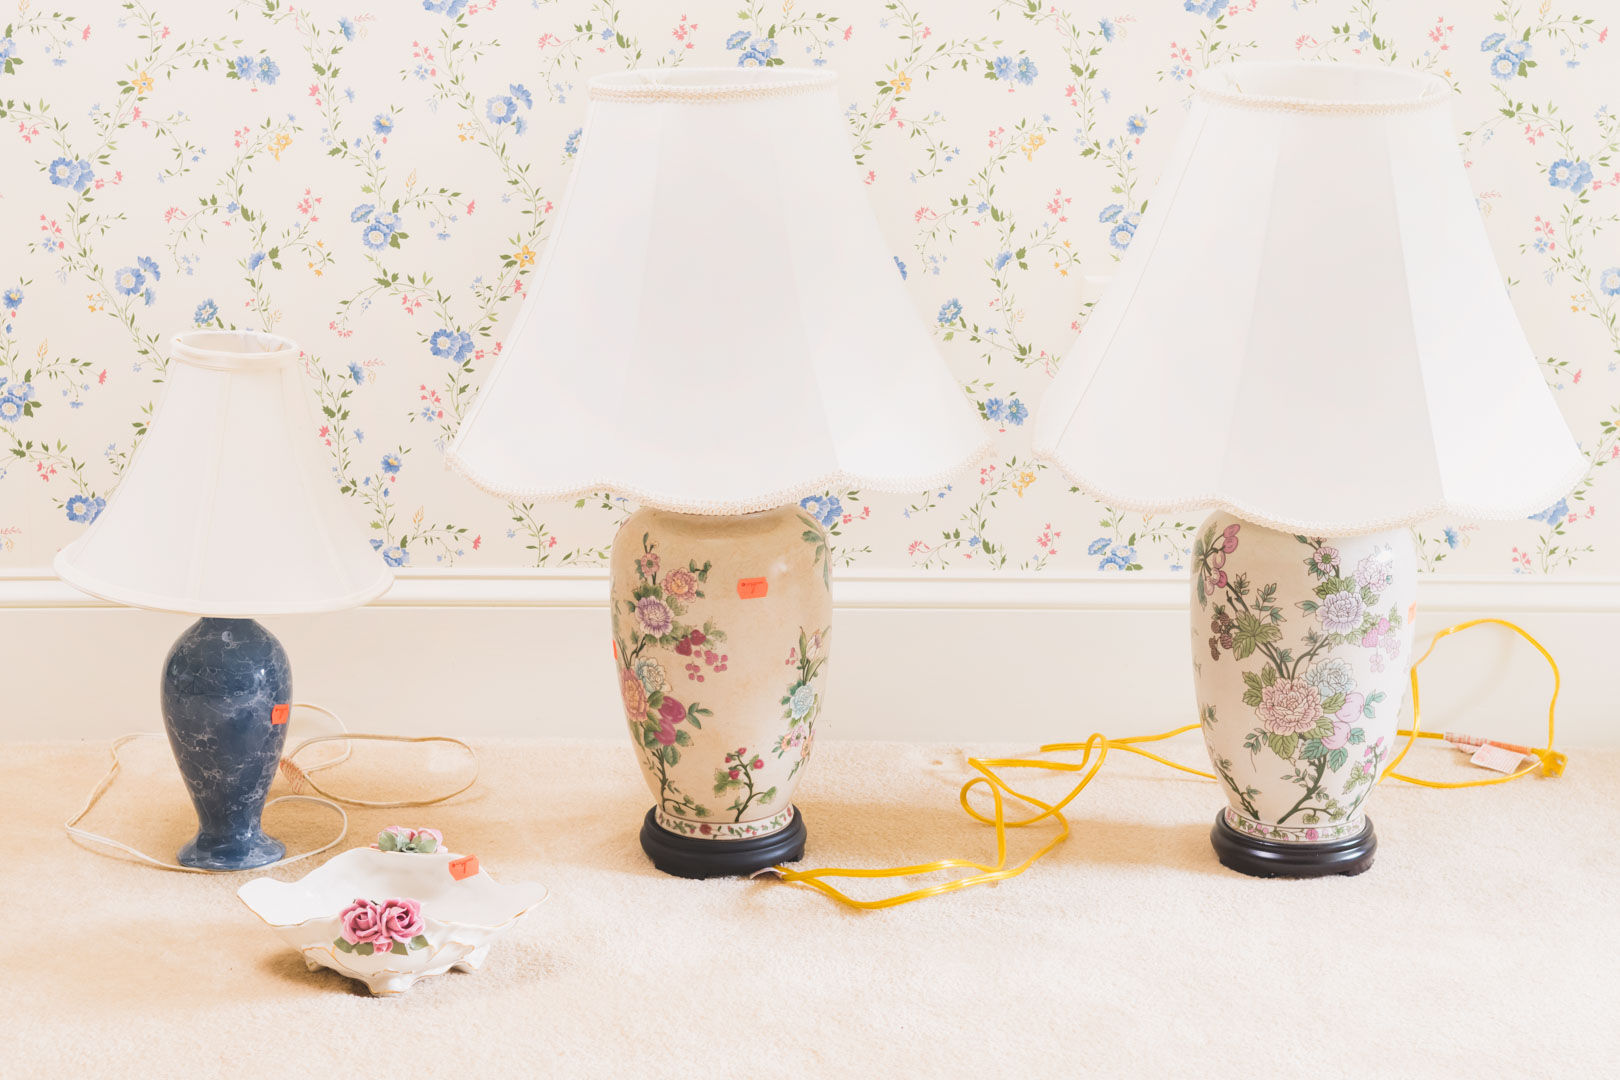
{"type": "Point", "coordinates": [1309, 330]}
{"type": "Point", "coordinates": [717, 325]}
{"type": "Point", "coordinates": [228, 507]}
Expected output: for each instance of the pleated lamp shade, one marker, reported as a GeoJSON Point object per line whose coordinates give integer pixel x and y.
{"type": "Point", "coordinates": [717, 325]}
{"type": "Point", "coordinates": [1308, 329]}
{"type": "Point", "coordinates": [228, 507]}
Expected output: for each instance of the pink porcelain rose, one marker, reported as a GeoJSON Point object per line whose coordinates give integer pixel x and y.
{"type": "Point", "coordinates": [1289, 707]}
{"type": "Point", "coordinates": [401, 920]}
{"type": "Point", "coordinates": [361, 924]}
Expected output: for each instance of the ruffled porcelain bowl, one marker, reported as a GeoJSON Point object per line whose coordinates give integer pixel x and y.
{"type": "Point", "coordinates": [394, 912]}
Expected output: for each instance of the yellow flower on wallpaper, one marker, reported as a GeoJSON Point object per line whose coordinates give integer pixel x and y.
{"type": "Point", "coordinates": [143, 84]}
{"type": "Point", "coordinates": [525, 256]}
{"type": "Point", "coordinates": [280, 143]}
{"type": "Point", "coordinates": [901, 83]}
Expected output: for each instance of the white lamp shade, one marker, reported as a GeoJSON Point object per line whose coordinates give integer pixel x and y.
{"type": "Point", "coordinates": [1309, 330]}
{"type": "Point", "coordinates": [228, 507]}
{"type": "Point", "coordinates": [717, 325]}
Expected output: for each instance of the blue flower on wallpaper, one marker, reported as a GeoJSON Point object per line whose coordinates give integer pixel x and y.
{"type": "Point", "coordinates": [1098, 546]}
{"type": "Point", "coordinates": [1110, 212]}
{"type": "Point", "coordinates": [824, 508]}
{"type": "Point", "coordinates": [375, 237]}
{"type": "Point", "coordinates": [129, 281]}
{"type": "Point", "coordinates": [1504, 66]}
{"type": "Point", "coordinates": [361, 212]}
{"type": "Point", "coordinates": [1574, 175]}
{"type": "Point", "coordinates": [738, 39]}
{"type": "Point", "coordinates": [254, 260]}
{"type": "Point", "coordinates": [1492, 42]}
{"type": "Point", "coordinates": [383, 124]}
{"type": "Point", "coordinates": [391, 464]}
{"type": "Point", "coordinates": [1119, 557]}
{"type": "Point", "coordinates": [1212, 8]}
{"type": "Point", "coordinates": [758, 53]}
{"type": "Point", "coordinates": [71, 173]}
{"type": "Point", "coordinates": [1120, 235]}
{"type": "Point", "coordinates": [452, 8]}
{"type": "Point", "coordinates": [950, 311]}
{"type": "Point", "coordinates": [1519, 49]}
{"type": "Point", "coordinates": [1017, 412]}
{"type": "Point", "coordinates": [13, 297]}
{"type": "Point", "coordinates": [1608, 282]}
{"type": "Point", "coordinates": [1106, 27]}
{"type": "Point", "coordinates": [11, 410]}
{"type": "Point", "coordinates": [396, 556]}
{"type": "Point", "coordinates": [23, 392]}
{"type": "Point", "coordinates": [8, 48]}
{"type": "Point", "coordinates": [83, 509]}
{"type": "Point", "coordinates": [206, 312]}
{"type": "Point", "coordinates": [521, 93]}
{"type": "Point", "coordinates": [1002, 260]}
{"type": "Point", "coordinates": [571, 144]}
{"type": "Point", "coordinates": [346, 27]}
{"type": "Point", "coordinates": [1003, 67]}
{"type": "Point", "coordinates": [1554, 513]}
{"type": "Point", "coordinates": [1026, 70]}
{"type": "Point", "coordinates": [501, 109]}
{"type": "Point", "coordinates": [149, 267]}
{"type": "Point", "coordinates": [269, 71]}
{"type": "Point", "coordinates": [994, 409]}
{"type": "Point", "coordinates": [1453, 537]}
{"type": "Point", "coordinates": [357, 373]}
{"type": "Point", "coordinates": [244, 67]}
{"type": "Point", "coordinates": [450, 344]}
{"type": "Point", "coordinates": [388, 220]}
{"type": "Point", "coordinates": [1136, 124]}
{"type": "Point", "coordinates": [901, 267]}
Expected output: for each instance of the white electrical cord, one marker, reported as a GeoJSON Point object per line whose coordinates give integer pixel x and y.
{"type": "Point", "coordinates": [296, 775]}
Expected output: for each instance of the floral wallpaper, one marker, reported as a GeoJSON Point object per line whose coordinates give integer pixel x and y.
{"type": "Point", "coordinates": [375, 180]}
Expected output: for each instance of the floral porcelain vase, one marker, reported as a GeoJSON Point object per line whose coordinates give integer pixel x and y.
{"type": "Point", "coordinates": [1301, 649]}
{"type": "Point", "coordinates": [721, 633]}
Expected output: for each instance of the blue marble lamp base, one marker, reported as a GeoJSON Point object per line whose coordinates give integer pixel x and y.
{"type": "Point", "coordinates": [222, 682]}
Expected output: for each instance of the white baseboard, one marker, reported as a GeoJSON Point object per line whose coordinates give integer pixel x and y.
{"type": "Point", "coordinates": [1018, 657]}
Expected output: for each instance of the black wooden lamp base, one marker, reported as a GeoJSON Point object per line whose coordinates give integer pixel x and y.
{"type": "Point", "coordinates": [1267, 858]}
{"type": "Point", "coordinates": [689, 857]}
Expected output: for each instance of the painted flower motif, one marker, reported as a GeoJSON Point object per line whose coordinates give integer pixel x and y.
{"type": "Point", "coordinates": [129, 281]}
{"type": "Point", "coordinates": [763, 46]}
{"type": "Point", "coordinates": [654, 616]}
{"type": "Point", "coordinates": [571, 144]}
{"type": "Point", "coordinates": [396, 555]}
{"type": "Point", "coordinates": [1341, 730]}
{"type": "Point", "coordinates": [1003, 67]}
{"type": "Point", "coordinates": [346, 28]}
{"type": "Point", "coordinates": [449, 8]}
{"type": "Point", "coordinates": [521, 93]}
{"type": "Point", "coordinates": [389, 220]}
{"type": "Point", "coordinates": [269, 71]}
{"type": "Point", "coordinates": [71, 173]}
{"type": "Point", "coordinates": [8, 48]}
{"type": "Point", "coordinates": [255, 260]}
{"type": "Point", "coordinates": [1492, 42]}
{"type": "Point", "coordinates": [1554, 513]}
{"type": "Point", "coordinates": [1106, 28]}
{"type": "Point", "coordinates": [382, 124]}
{"type": "Point", "coordinates": [652, 675]}
{"type": "Point", "coordinates": [1110, 212]}
{"type": "Point", "coordinates": [1574, 175]}
{"type": "Point", "coordinates": [671, 712]}
{"type": "Point", "coordinates": [1331, 676]}
{"type": "Point", "coordinates": [681, 584]}
{"type": "Point", "coordinates": [1119, 557]}
{"type": "Point", "coordinates": [1373, 572]}
{"type": "Point", "coordinates": [361, 212]}
{"type": "Point", "coordinates": [950, 311]}
{"type": "Point", "coordinates": [206, 312]}
{"type": "Point", "coordinates": [737, 40]}
{"type": "Point", "coordinates": [1098, 546]}
{"type": "Point", "coordinates": [11, 410]}
{"type": "Point", "coordinates": [1452, 537]}
{"type": "Point", "coordinates": [357, 373]}
{"type": "Point", "coordinates": [824, 508]}
{"type": "Point", "coordinates": [374, 237]}
{"type": "Point", "coordinates": [12, 298]}
{"type": "Point", "coordinates": [391, 464]}
{"type": "Point", "coordinates": [1212, 9]}
{"type": "Point", "coordinates": [83, 509]}
{"type": "Point", "coordinates": [1289, 707]}
{"type": "Point", "coordinates": [1001, 260]}
{"type": "Point", "coordinates": [1326, 559]}
{"type": "Point", "coordinates": [1504, 66]}
{"type": "Point", "coordinates": [634, 693]}
{"type": "Point", "coordinates": [995, 409]}
{"type": "Point", "coordinates": [1017, 412]}
{"type": "Point", "coordinates": [647, 564]}
{"type": "Point", "coordinates": [1026, 70]}
{"type": "Point", "coordinates": [1608, 281]}
{"type": "Point", "coordinates": [361, 924]}
{"type": "Point", "coordinates": [803, 700]}
{"type": "Point", "coordinates": [244, 67]}
{"type": "Point", "coordinates": [1136, 124]}
{"type": "Point", "coordinates": [501, 109]}
{"type": "Point", "coordinates": [1341, 612]}
{"type": "Point", "coordinates": [1518, 48]}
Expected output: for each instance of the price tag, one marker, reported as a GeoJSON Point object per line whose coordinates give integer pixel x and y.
{"type": "Point", "coordinates": [280, 713]}
{"type": "Point", "coordinates": [464, 867]}
{"type": "Point", "coordinates": [751, 588]}
{"type": "Point", "coordinates": [1499, 758]}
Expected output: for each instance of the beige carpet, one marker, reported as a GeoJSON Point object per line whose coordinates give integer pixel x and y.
{"type": "Point", "coordinates": [1483, 943]}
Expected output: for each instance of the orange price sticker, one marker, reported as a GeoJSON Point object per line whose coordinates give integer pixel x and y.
{"type": "Point", "coordinates": [464, 867]}
{"type": "Point", "coordinates": [280, 713]}
{"type": "Point", "coordinates": [751, 588]}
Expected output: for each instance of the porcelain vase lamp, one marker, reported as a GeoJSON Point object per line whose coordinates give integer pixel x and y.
{"type": "Point", "coordinates": [1310, 338]}
{"type": "Point", "coordinates": [719, 333]}
{"type": "Point", "coordinates": [228, 511]}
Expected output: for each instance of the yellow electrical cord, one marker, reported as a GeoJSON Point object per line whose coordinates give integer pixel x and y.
{"type": "Point", "coordinates": [1550, 761]}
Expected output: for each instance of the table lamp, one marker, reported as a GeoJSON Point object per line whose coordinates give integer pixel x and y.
{"type": "Point", "coordinates": [1310, 338]}
{"type": "Point", "coordinates": [718, 332]}
{"type": "Point", "coordinates": [228, 511]}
